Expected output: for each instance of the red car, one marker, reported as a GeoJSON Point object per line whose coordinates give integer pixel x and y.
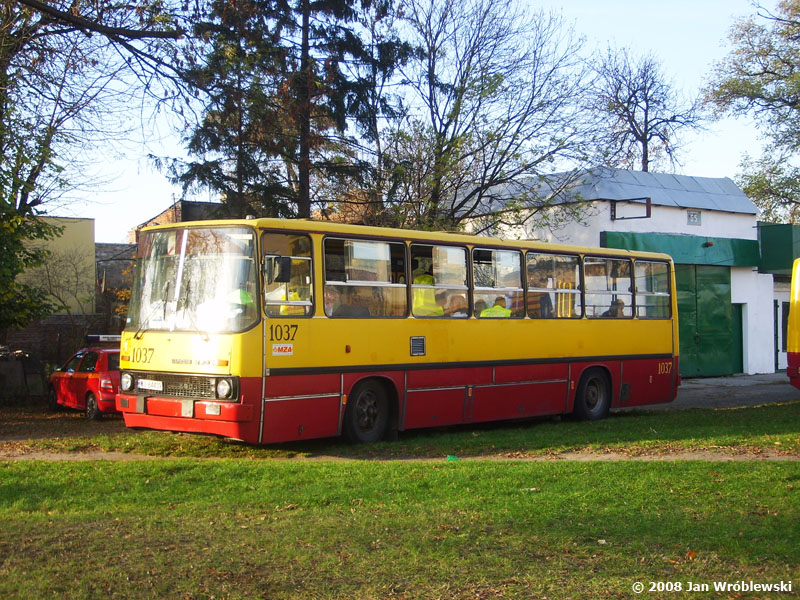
{"type": "Point", "coordinates": [88, 381]}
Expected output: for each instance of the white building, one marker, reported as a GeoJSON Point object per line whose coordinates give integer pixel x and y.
{"type": "Point", "coordinates": [729, 311]}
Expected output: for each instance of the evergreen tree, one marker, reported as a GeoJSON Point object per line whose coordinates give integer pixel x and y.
{"type": "Point", "coordinates": [281, 87]}
{"type": "Point", "coordinates": [237, 139]}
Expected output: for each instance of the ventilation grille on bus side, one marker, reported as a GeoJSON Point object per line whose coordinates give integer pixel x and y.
{"type": "Point", "coordinates": [418, 346]}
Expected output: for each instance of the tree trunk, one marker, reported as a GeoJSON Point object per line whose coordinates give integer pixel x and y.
{"type": "Point", "coordinates": [304, 98]}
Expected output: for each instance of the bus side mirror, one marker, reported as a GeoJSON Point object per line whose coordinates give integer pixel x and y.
{"type": "Point", "coordinates": [277, 269]}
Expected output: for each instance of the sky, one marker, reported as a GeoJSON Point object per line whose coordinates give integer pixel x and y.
{"type": "Point", "coordinates": [687, 36]}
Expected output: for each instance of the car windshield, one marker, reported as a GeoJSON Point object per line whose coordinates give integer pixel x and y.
{"type": "Point", "coordinates": [195, 279]}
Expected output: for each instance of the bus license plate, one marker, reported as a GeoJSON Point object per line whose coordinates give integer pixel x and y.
{"type": "Point", "coordinates": [150, 384]}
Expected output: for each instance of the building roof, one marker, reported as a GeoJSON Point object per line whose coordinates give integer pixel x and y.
{"type": "Point", "coordinates": [180, 211]}
{"type": "Point", "coordinates": [664, 189]}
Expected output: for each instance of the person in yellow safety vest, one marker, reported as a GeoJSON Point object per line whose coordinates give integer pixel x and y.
{"type": "Point", "coordinates": [424, 299]}
{"type": "Point", "coordinates": [498, 310]}
{"type": "Point", "coordinates": [287, 309]}
{"type": "Point", "coordinates": [243, 302]}
{"type": "Point", "coordinates": [241, 297]}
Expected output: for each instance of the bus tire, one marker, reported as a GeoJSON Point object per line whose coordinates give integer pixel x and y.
{"type": "Point", "coordinates": [367, 414]}
{"type": "Point", "coordinates": [593, 399]}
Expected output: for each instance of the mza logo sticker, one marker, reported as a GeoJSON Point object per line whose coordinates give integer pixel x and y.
{"type": "Point", "coordinates": [282, 349]}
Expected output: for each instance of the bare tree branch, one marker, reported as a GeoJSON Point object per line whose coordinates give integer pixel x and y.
{"type": "Point", "coordinates": [641, 114]}
{"type": "Point", "coordinates": [497, 96]}
{"type": "Point", "coordinates": [115, 33]}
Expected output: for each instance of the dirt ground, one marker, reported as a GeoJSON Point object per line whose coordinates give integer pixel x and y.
{"type": "Point", "coordinates": [571, 456]}
{"type": "Point", "coordinates": [32, 420]}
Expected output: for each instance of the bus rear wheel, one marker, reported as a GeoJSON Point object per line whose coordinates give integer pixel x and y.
{"type": "Point", "coordinates": [367, 413]}
{"type": "Point", "coordinates": [593, 399]}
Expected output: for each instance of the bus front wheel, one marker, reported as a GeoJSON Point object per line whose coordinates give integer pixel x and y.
{"type": "Point", "coordinates": [594, 396]}
{"type": "Point", "coordinates": [367, 413]}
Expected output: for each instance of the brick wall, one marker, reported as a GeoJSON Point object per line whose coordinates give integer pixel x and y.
{"type": "Point", "coordinates": [112, 262]}
{"type": "Point", "coordinates": [55, 338]}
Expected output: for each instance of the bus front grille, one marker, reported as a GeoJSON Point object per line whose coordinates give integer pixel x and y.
{"type": "Point", "coordinates": [182, 386]}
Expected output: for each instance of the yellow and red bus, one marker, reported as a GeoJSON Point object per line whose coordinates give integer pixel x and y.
{"type": "Point", "coordinates": [793, 331]}
{"type": "Point", "coordinates": [268, 330]}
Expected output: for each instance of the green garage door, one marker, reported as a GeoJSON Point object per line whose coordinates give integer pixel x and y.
{"type": "Point", "coordinates": [705, 321]}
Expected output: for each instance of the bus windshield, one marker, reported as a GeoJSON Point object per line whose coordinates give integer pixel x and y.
{"type": "Point", "coordinates": [195, 279]}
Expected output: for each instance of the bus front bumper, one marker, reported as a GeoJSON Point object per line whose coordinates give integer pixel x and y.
{"type": "Point", "coordinates": [183, 408]}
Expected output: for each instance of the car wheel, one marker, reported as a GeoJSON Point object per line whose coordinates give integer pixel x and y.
{"type": "Point", "coordinates": [92, 409]}
{"type": "Point", "coordinates": [52, 401]}
{"type": "Point", "coordinates": [367, 413]}
{"type": "Point", "coordinates": [593, 399]}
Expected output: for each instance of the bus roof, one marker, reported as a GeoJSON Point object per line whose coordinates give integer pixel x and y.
{"type": "Point", "coordinates": [311, 226]}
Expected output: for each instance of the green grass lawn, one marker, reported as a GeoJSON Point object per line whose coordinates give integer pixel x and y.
{"type": "Point", "coordinates": [772, 428]}
{"type": "Point", "coordinates": [250, 524]}
{"type": "Point", "coordinates": [188, 528]}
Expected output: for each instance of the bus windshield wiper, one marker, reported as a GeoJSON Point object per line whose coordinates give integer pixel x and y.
{"type": "Point", "coordinates": [183, 302]}
{"type": "Point", "coordinates": [143, 327]}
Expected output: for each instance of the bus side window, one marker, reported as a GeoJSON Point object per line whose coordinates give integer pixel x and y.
{"type": "Point", "coordinates": [652, 290]}
{"type": "Point", "coordinates": [609, 289]}
{"type": "Point", "coordinates": [439, 281]}
{"type": "Point", "coordinates": [288, 289]}
{"type": "Point", "coordinates": [497, 283]}
{"type": "Point", "coordinates": [364, 278]}
{"type": "Point", "coordinates": [554, 286]}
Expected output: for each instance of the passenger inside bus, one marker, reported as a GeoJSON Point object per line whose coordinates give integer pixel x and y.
{"type": "Point", "coordinates": [221, 312]}
{"type": "Point", "coordinates": [288, 309]}
{"type": "Point", "coordinates": [347, 304]}
{"type": "Point", "coordinates": [330, 299]}
{"type": "Point", "coordinates": [498, 309]}
{"type": "Point", "coordinates": [241, 298]}
{"type": "Point", "coordinates": [616, 309]}
{"type": "Point", "coordinates": [424, 299]}
{"type": "Point", "coordinates": [457, 306]}
{"type": "Point", "coordinates": [540, 306]}
{"type": "Point", "coordinates": [515, 300]}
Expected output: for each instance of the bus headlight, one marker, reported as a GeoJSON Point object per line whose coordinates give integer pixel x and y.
{"type": "Point", "coordinates": [224, 388]}
{"type": "Point", "coordinates": [126, 382]}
